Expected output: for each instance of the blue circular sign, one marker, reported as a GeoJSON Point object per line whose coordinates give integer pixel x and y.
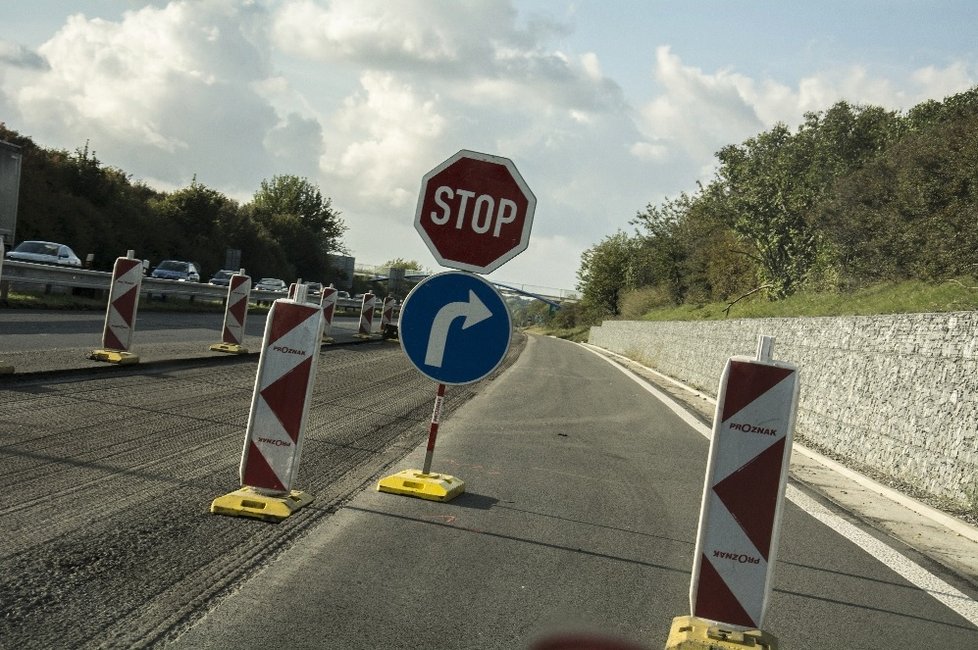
{"type": "Point", "coordinates": [455, 327]}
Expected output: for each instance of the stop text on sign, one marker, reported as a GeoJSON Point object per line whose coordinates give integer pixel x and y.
{"type": "Point", "coordinates": [483, 214]}
{"type": "Point", "coordinates": [475, 212]}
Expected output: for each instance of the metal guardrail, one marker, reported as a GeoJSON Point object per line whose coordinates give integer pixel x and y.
{"type": "Point", "coordinates": [72, 277]}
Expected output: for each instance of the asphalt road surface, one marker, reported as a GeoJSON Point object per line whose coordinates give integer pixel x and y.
{"type": "Point", "coordinates": [579, 518]}
{"type": "Point", "coordinates": [582, 494]}
{"type": "Point", "coordinates": [107, 481]}
{"type": "Point", "coordinates": [50, 340]}
{"type": "Point", "coordinates": [32, 330]}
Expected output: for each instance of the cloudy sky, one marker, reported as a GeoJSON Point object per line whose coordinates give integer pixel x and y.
{"type": "Point", "coordinates": [604, 106]}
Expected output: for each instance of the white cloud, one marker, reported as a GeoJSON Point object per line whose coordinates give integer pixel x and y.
{"type": "Point", "coordinates": [169, 88]}
{"type": "Point", "coordinates": [541, 268]}
{"type": "Point", "coordinates": [295, 142]}
{"type": "Point", "coordinates": [18, 56]}
{"type": "Point", "coordinates": [378, 141]}
{"type": "Point", "coordinates": [482, 82]}
{"type": "Point", "coordinates": [365, 96]}
{"type": "Point", "coordinates": [937, 83]}
{"type": "Point", "coordinates": [649, 151]}
{"type": "Point", "coordinates": [432, 35]}
{"type": "Point", "coordinates": [698, 112]}
{"type": "Point", "coordinates": [379, 34]}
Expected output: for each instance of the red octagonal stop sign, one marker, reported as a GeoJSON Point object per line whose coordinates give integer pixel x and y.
{"type": "Point", "coordinates": [475, 212]}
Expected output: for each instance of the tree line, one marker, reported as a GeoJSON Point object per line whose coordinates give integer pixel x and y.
{"type": "Point", "coordinates": [285, 231]}
{"type": "Point", "coordinates": [856, 195]}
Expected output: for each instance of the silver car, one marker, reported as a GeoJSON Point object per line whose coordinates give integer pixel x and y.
{"type": "Point", "coordinates": [271, 284]}
{"type": "Point", "coordinates": [47, 252]}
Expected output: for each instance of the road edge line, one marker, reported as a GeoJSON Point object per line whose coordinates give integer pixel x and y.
{"type": "Point", "coordinates": [948, 595]}
{"type": "Point", "coordinates": [951, 523]}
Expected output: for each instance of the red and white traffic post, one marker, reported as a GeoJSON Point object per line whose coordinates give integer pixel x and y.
{"type": "Point", "coordinates": [367, 316]}
{"type": "Point", "coordinates": [120, 315]}
{"type": "Point", "coordinates": [743, 497]}
{"type": "Point", "coordinates": [433, 429]}
{"type": "Point", "coordinates": [279, 408]}
{"type": "Point", "coordinates": [387, 316]}
{"type": "Point", "coordinates": [235, 313]}
{"type": "Point", "coordinates": [291, 292]}
{"type": "Point", "coordinates": [327, 303]}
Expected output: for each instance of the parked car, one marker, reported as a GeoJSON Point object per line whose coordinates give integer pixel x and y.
{"type": "Point", "coordinates": [177, 270]}
{"type": "Point", "coordinates": [47, 252]}
{"type": "Point", "coordinates": [270, 284]}
{"type": "Point", "coordinates": [222, 278]}
{"type": "Point", "coordinates": [315, 288]}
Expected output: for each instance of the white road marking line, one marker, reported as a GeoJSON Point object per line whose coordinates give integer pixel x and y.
{"type": "Point", "coordinates": [954, 599]}
{"type": "Point", "coordinates": [917, 575]}
{"type": "Point", "coordinates": [918, 507]}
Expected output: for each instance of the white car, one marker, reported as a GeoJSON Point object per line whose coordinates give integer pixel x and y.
{"type": "Point", "coordinates": [271, 284]}
{"type": "Point", "coordinates": [44, 251]}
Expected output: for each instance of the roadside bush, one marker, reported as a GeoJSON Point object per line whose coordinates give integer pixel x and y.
{"type": "Point", "coordinates": [635, 303]}
{"type": "Point", "coordinates": [571, 315]}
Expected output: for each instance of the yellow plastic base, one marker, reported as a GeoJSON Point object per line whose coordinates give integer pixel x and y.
{"type": "Point", "coordinates": [248, 502]}
{"type": "Point", "coordinates": [691, 633]}
{"type": "Point", "coordinates": [230, 348]}
{"type": "Point", "coordinates": [113, 356]}
{"type": "Point", "coordinates": [365, 337]}
{"type": "Point", "coordinates": [328, 339]}
{"type": "Point", "coordinates": [415, 483]}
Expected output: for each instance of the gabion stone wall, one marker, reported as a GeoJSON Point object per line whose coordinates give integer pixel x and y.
{"type": "Point", "coordinates": [897, 393]}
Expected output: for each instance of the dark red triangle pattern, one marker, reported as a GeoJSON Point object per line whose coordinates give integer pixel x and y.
{"type": "Point", "coordinates": [751, 495]}
{"type": "Point", "coordinates": [229, 336]}
{"type": "Point", "coordinates": [286, 396]}
{"type": "Point", "coordinates": [258, 473]}
{"type": "Point", "coordinates": [748, 381]}
{"type": "Point", "coordinates": [125, 305]}
{"type": "Point", "coordinates": [286, 318]}
{"type": "Point", "coordinates": [123, 265]}
{"type": "Point", "coordinates": [715, 601]}
{"type": "Point", "coordinates": [111, 342]}
{"type": "Point", "coordinates": [237, 281]}
{"type": "Point", "coordinates": [239, 309]}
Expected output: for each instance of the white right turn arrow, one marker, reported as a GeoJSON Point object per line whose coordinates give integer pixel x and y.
{"type": "Point", "coordinates": [474, 312]}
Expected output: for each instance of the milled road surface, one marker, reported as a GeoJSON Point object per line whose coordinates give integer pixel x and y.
{"type": "Point", "coordinates": [106, 483]}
